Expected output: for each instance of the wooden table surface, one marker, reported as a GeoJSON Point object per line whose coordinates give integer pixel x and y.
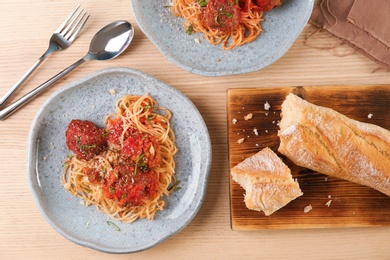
{"type": "Point", "coordinates": [24, 234]}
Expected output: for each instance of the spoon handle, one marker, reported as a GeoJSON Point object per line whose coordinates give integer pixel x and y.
{"type": "Point", "coordinates": [26, 98]}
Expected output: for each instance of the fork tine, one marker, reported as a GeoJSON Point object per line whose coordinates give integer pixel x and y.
{"type": "Point", "coordinates": [79, 20]}
{"type": "Point", "coordinates": [71, 23]}
{"type": "Point", "coordinates": [79, 29]}
{"type": "Point", "coordinates": [67, 20]}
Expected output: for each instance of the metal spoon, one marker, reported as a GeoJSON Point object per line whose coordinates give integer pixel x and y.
{"type": "Point", "coordinates": [107, 44]}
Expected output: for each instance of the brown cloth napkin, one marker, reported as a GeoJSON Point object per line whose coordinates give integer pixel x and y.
{"type": "Point", "coordinates": [373, 17]}
{"type": "Point", "coordinates": [360, 23]}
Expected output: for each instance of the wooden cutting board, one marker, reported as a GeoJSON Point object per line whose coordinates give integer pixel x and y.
{"type": "Point", "coordinates": [334, 202]}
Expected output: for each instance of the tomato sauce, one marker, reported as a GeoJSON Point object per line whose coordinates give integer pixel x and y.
{"type": "Point", "coordinates": [128, 186]}
{"type": "Point", "coordinates": [132, 179]}
{"type": "Point", "coordinates": [142, 149]}
{"type": "Point", "coordinates": [114, 132]}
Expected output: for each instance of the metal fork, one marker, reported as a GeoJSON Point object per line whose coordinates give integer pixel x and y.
{"type": "Point", "coordinates": [61, 39]}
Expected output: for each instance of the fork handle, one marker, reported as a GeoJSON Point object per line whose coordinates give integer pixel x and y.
{"type": "Point", "coordinates": [30, 95]}
{"type": "Point", "coordinates": [17, 85]}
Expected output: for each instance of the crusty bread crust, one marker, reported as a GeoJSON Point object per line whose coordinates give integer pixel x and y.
{"type": "Point", "coordinates": [267, 181]}
{"type": "Point", "coordinates": [328, 142]}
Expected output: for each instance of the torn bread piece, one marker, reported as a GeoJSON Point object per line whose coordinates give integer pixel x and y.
{"type": "Point", "coordinates": [328, 142]}
{"type": "Point", "coordinates": [267, 181]}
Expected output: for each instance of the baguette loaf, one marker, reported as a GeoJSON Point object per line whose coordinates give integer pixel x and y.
{"type": "Point", "coordinates": [328, 142]}
{"type": "Point", "coordinates": [267, 181]}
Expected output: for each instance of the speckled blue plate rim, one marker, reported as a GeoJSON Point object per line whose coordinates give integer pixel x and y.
{"type": "Point", "coordinates": [145, 28]}
{"type": "Point", "coordinates": [31, 161]}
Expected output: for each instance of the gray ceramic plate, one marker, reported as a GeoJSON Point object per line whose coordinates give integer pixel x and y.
{"type": "Point", "coordinates": [89, 99]}
{"type": "Point", "coordinates": [280, 29]}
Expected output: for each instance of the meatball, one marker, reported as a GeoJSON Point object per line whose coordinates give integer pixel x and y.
{"type": "Point", "coordinates": [267, 5]}
{"type": "Point", "coordinates": [85, 139]}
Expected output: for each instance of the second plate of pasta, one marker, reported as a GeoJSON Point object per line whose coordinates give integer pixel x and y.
{"type": "Point", "coordinates": [192, 52]}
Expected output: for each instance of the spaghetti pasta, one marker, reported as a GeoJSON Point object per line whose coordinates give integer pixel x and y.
{"type": "Point", "coordinates": [126, 168]}
{"type": "Point", "coordinates": [230, 23]}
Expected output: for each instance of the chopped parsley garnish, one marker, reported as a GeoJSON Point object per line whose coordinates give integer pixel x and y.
{"type": "Point", "coordinates": [203, 3]}
{"type": "Point", "coordinates": [104, 134]}
{"type": "Point", "coordinates": [175, 186]}
{"type": "Point", "coordinates": [149, 119]}
{"type": "Point", "coordinates": [190, 29]}
{"type": "Point", "coordinates": [83, 146]}
{"type": "Point", "coordinates": [139, 158]}
{"type": "Point", "coordinates": [140, 163]}
{"type": "Point", "coordinates": [146, 107]}
{"type": "Point", "coordinates": [229, 15]}
{"type": "Point", "coordinates": [226, 14]}
{"type": "Point", "coordinates": [110, 223]}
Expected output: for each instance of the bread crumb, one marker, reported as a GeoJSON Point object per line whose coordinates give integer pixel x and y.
{"type": "Point", "coordinates": [328, 203]}
{"type": "Point", "coordinates": [307, 209]}
{"type": "Point", "coordinates": [267, 106]}
{"type": "Point", "coordinates": [112, 91]}
{"type": "Point", "coordinates": [197, 40]}
{"type": "Point", "coordinates": [255, 131]}
{"type": "Point", "coordinates": [241, 140]}
{"type": "Point", "coordinates": [234, 121]}
{"type": "Point", "coordinates": [248, 116]}
{"type": "Point", "coordinates": [370, 115]}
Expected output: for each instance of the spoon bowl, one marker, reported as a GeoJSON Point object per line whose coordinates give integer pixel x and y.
{"type": "Point", "coordinates": [108, 43]}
